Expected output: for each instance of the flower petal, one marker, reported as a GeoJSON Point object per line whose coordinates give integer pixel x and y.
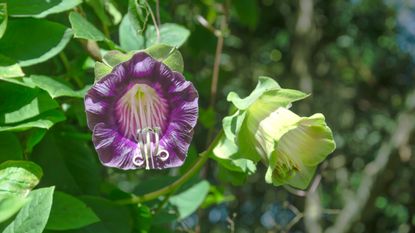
{"type": "Point", "coordinates": [311, 141]}
{"type": "Point", "coordinates": [183, 118]}
{"type": "Point", "coordinates": [141, 65]}
{"type": "Point", "coordinates": [113, 149]}
{"type": "Point", "coordinates": [140, 83]}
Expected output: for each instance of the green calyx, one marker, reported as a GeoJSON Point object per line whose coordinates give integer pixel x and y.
{"type": "Point", "coordinates": [170, 56]}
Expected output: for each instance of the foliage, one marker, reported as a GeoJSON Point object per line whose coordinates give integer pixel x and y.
{"type": "Point", "coordinates": [351, 60]}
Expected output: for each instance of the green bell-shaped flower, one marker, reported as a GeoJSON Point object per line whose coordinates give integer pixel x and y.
{"type": "Point", "coordinates": [263, 129]}
{"type": "Point", "coordinates": [293, 146]}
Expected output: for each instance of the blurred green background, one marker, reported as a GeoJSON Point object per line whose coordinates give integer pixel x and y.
{"type": "Point", "coordinates": [356, 58]}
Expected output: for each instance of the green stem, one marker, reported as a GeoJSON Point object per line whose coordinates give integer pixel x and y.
{"type": "Point", "coordinates": [178, 183]}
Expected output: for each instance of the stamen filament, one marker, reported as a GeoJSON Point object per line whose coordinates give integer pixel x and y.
{"type": "Point", "coordinates": [143, 138]}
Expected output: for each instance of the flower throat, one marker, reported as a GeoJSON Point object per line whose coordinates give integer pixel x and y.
{"type": "Point", "coordinates": [141, 116]}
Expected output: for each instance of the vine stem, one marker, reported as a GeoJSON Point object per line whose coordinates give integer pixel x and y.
{"type": "Point", "coordinates": [178, 183]}
{"type": "Point", "coordinates": [158, 12]}
{"type": "Point", "coordinates": [153, 18]}
{"type": "Point", "coordinates": [218, 53]}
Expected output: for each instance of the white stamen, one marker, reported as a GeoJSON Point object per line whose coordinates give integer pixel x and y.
{"type": "Point", "coordinates": [143, 138]}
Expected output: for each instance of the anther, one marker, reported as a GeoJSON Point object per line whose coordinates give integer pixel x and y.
{"type": "Point", "coordinates": [143, 138]}
{"type": "Point", "coordinates": [136, 157]}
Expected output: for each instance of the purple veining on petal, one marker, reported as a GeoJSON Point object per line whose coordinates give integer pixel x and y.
{"type": "Point", "coordinates": [142, 115]}
{"type": "Point", "coordinates": [141, 107]}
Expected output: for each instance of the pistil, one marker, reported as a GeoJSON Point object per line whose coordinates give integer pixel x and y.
{"type": "Point", "coordinates": [144, 141]}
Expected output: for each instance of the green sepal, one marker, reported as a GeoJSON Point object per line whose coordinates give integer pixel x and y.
{"type": "Point", "coordinates": [226, 153]}
{"type": "Point", "coordinates": [101, 69]}
{"type": "Point", "coordinates": [168, 55]}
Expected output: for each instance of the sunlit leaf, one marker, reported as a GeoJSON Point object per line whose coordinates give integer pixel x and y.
{"type": "Point", "coordinates": [9, 205]}
{"type": "Point", "coordinates": [39, 8]}
{"type": "Point", "coordinates": [45, 41]}
{"type": "Point", "coordinates": [56, 88]}
{"type": "Point", "coordinates": [170, 34]}
{"type": "Point", "coordinates": [32, 218]}
{"type": "Point", "coordinates": [45, 121]}
{"type": "Point", "coordinates": [129, 38]}
{"type": "Point", "coordinates": [9, 68]}
{"type": "Point", "coordinates": [17, 178]}
{"type": "Point", "coordinates": [84, 29]}
{"type": "Point", "coordinates": [190, 199]}
{"type": "Point", "coordinates": [30, 108]}
{"type": "Point", "coordinates": [3, 18]}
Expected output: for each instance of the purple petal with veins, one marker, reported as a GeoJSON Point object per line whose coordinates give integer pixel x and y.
{"type": "Point", "coordinates": [142, 115]}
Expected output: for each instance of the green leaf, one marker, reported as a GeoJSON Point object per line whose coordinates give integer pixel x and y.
{"type": "Point", "coordinates": [99, 8]}
{"type": "Point", "coordinates": [68, 163]}
{"type": "Point", "coordinates": [45, 120]}
{"type": "Point", "coordinates": [39, 8]}
{"type": "Point", "coordinates": [69, 212]}
{"type": "Point", "coordinates": [170, 56]}
{"type": "Point", "coordinates": [170, 34]}
{"type": "Point", "coordinates": [27, 103]}
{"type": "Point", "coordinates": [84, 29]}
{"type": "Point", "coordinates": [30, 107]}
{"type": "Point", "coordinates": [33, 138]}
{"type": "Point", "coordinates": [37, 105]}
{"type": "Point", "coordinates": [189, 200]}
{"type": "Point", "coordinates": [138, 15]}
{"type": "Point", "coordinates": [129, 38]}
{"type": "Point", "coordinates": [32, 218]}
{"type": "Point", "coordinates": [45, 41]}
{"type": "Point", "coordinates": [9, 205]}
{"type": "Point", "coordinates": [248, 12]}
{"type": "Point", "coordinates": [56, 88]}
{"type": "Point", "coordinates": [17, 178]}
{"type": "Point", "coordinates": [3, 18]}
{"type": "Point", "coordinates": [114, 218]}
{"type": "Point", "coordinates": [216, 196]}
{"type": "Point", "coordinates": [9, 68]}
{"type": "Point", "coordinates": [112, 10]}
{"type": "Point", "coordinates": [10, 148]}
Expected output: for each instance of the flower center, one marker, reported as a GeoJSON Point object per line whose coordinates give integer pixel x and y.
{"type": "Point", "coordinates": [141, 108]}
{"type": "Point", "coordinates": [284, 168]}
{"type": "Point", "coordinates": [142, 116]}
